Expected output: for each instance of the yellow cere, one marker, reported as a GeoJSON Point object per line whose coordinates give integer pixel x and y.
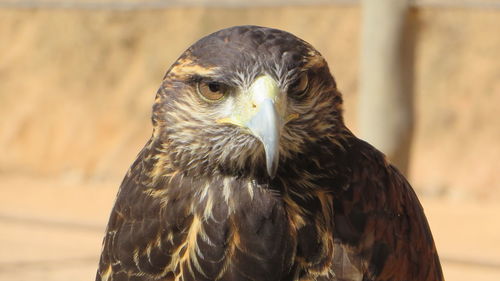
{"type": "Point", "coordinates": [247, 105]}
{"type": "Point", "coordinates": [264, 87]}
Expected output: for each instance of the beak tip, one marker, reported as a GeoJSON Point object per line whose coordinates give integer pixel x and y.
{"type": "Point", "coordinates": [266, 126]}
{"type": "Point", "coordinates": [272, 169]}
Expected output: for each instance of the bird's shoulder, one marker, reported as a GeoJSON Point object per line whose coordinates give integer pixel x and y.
{"type": "Point", "coordinates": [379, 221]}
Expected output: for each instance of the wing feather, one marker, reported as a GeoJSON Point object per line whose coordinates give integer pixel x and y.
{"type": "Point", "coordinates": [380, 222]}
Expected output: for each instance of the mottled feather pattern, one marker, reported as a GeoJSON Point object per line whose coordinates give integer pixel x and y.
{"type": "Point", "coordinates": [198, 204]}
{"type": "Point", "coordinates": [195, 239]}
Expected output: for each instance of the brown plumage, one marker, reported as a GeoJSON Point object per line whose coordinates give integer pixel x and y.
{"type": "Point", "coordinates": [251, 174]}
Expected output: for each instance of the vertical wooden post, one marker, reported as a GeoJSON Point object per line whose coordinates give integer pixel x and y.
{"type": "Point", "coordinates": [385, 109]}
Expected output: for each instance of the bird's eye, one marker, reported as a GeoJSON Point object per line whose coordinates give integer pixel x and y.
{"type": "Point", "coordinates": [300, 85]}
{"type": "Point", "coordinates": [211, 91]}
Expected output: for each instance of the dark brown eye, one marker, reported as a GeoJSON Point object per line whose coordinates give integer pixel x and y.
{"type": "Point", "coordinates": [300, 85]}
{"type": "Point", "coordinates": [211, 90]}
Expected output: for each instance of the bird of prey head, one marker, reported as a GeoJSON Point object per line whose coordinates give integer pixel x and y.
{"type": "Point", "coordinates": [243, 99]}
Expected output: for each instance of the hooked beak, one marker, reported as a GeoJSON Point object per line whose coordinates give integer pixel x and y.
{"type": "Point", "coordinates": [257, 112]}
{"type": "Point", "coordinates": [266, 126]}
{"type": "Point", "coordinates": [266, 123]}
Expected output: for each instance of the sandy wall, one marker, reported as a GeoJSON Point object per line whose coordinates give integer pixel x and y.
{"type": "Point", "coordinates": [76, 87]}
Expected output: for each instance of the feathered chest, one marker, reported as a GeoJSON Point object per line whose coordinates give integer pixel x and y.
{"type": "Point", "coordinates": [227, 227]}
{"type": "Point", "coordinates": [223, 229]}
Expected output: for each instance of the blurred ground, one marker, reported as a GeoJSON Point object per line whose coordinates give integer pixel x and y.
{"type": "Point", "coordinates": [76, 89]}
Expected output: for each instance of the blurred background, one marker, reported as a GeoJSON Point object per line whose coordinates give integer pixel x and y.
{"type": "Point", "coordinates": [78, 78]}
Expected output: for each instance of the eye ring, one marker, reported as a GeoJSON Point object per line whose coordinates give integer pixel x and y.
{"type": "Point", "coordinates": [300, 85]}
{"type": "Point", "coordinates": [211, 90]}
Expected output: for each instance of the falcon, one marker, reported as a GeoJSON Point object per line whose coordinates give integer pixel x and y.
{"type": "Point", "coordinates": [251, 174]}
